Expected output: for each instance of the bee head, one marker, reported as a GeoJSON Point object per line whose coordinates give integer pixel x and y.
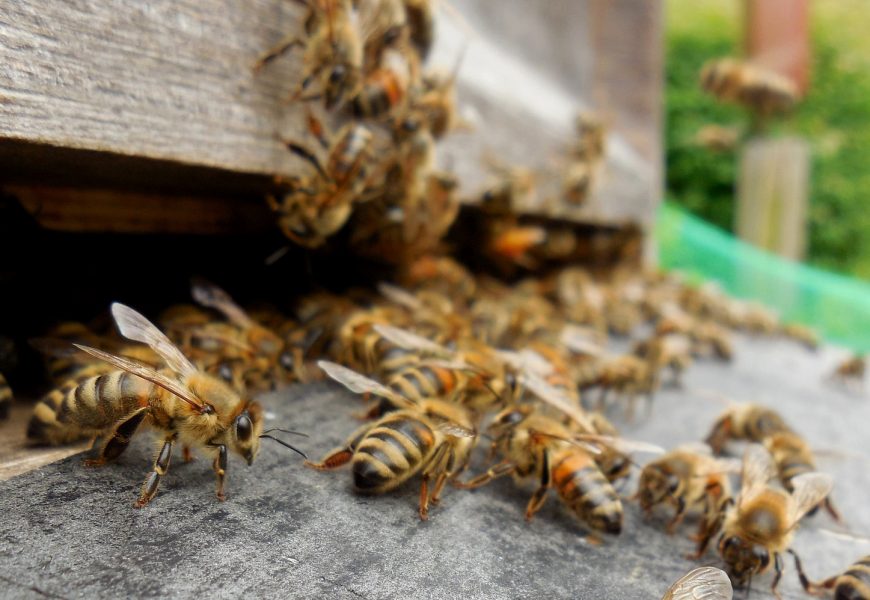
{"type": "Point", "coordinates": [743, 557]}
{"type": "Point", "coordinates": [655, 485]}
{"type": "Point", "coordinates": [246, 429]}
{"type": "Point", "coordinates": [340, 80]}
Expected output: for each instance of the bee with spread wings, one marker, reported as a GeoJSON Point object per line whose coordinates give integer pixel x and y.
{"type": "Point", "coordinates": [183, 403]}
{"type": "Point", "coordinates": [431, 437]}
{"type": "Point", "coordinates": [703, 583]}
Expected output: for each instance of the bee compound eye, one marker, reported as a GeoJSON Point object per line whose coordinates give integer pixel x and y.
{"type": "Point", "coordinates": [244, 427]}
{"type": "Point", "coordinates": [338, 74]}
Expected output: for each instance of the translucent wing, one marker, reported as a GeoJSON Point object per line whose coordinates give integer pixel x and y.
{"type": "Point", "coordinates": [809, 489]}
{"type": "Point", "coordinates": [758, 469]}
{"type": "Point", "coordinates": [704, 583]}
{"type": "Point", "coordinates": [695, 448]}
{"type": "Point", "coordinates": [399, 296]}
{"type": "Point", "coordinates": [411, 341]}
{"type": "Point", "coordinates": [526, 360]}
{"type": "Point", "coordinates": [455, 430]}
{"type": "Point", "coordinates": [214, 297]}
{"type": "Point", "coordinates": [587, 446]}
{"type": "Point", "coordinates": [556, 399]}
{"type": "Point", "coordinates": [360, 384]}
{"type": "Point", "coordinates": [146, 373]}
{"type": "Point", "coordinates": [581, 340]}
{"type": "Point", "coordinates": [622, 445]}
{"type": "Point", "coordinates": [134, 326]}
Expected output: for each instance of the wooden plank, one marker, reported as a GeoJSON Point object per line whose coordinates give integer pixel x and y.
{"type": "Point", "coordinates": [88, 85]}
{"type": "Point", "coordinates": [16, 456]}
{"type": "Point", "coordinates": [773, 195]}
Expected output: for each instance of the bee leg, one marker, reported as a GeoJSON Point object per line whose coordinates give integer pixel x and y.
{"type": "Point", "coordinates": [503, 468]}
{"type": "Point", "coordinates": [434, 466]}
{"type": "Point", "coordinates": [777, 567]}
{"type": "Point", "coordinates": [446, 473]}
{"type": "Point", "coordinates": [119, 439]}
{"type": "Point", "coordinates": [282, 47]}
{"type": "Point", "coordinates": [809, 586]}
{"type": "Point", "coordinates": [161, 466]}
{"type": "Point", "coordinates": [341, 456]}
{"type": "Point", "coordinates": [829, 506]}
{"type": "Point", "coordinates": [186, 454]}
{"type": "Point", "coordinates": [540, 496]}
{"type": "Point", "coordinates": [678, 516]}
{"type": "Point", "coordinates": [220, 470]}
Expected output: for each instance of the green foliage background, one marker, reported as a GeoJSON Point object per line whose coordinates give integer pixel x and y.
{"type": "Point", "coordinates": [834, 117]}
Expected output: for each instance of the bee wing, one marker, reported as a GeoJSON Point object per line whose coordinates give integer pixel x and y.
{"type": "Point", "coordinates": [526, 360]}
{"type": "Point", "coordinates": [212, 296]}
{"type": "Point", "coordinates": [696, 448]}
{"type": "Point", "coordinates": [411, 341]}
{"type": "Point", "coordinates": [556, 399]}
{"type": "Point", "coordinates": [758, 468]}
{"type": "Point", "coordinates": [622, 445]}
{"type": "Point", "coordinates": [135, 368]}
{"type": "Point", "coordinates": [577, 339]}
{"type": "Point", "coordinates": [455, 430]}
{"type": "Point", "coordinates": [704, 583]}
{"type": "Point", "coordinates": [809, 489]}
{"type": "Point", "coordinates": [399, 296]}
{"type": "Point", "coordinates": [587, 446]}
{"type": "Point", "coordinates": [134, 326]}
{"type": "Point", "coordinates": [454, 365]}
{"type": "Point", "coordinates": [360, 384]}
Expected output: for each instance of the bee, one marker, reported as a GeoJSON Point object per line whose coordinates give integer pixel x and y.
{"type": "Point", "coordinates": [761, 525]}
{"type": "Point", "coordinates": [5, 397]}
{"type": "Point", "coordinates": [851, 369]}
{"type": "Point", "coordinates": [717, 138]}
{"type": "Point", "coordinates": [183, 403]}
{"type": "Point", "coordinates": [535, 445]}
{"type": "Point", "coordinates": [750, 422]}
{"type": "Point", "coordinates": [441, 273]}
{"type": "Point", "coordinates": [852, 584]}
{"type": "Point", "coordinates": [384, 90]}
{"type": "Point", "coordinates": [586, 155]}
{"type": "Point", "coordinates": [333, 51]}
{"type": "Point", "coordinates": [628, 376]}
{"type": "Point", "coordinates": [421, 21]}
{"type": "Point", "coordinates": [689, 479]}
{"type": "Point", "coordinates": [431, 437]}
{"type": "Point", "coordinates": [760, 90]}
{"type": "Point", "coordinates": [316, 207]}
{"type": "Point", "coordinates": [671, 351]}
{"type": "Point", "coordinates": [802, 334]}
{"type": "Point", "coordinates": [708, 583]}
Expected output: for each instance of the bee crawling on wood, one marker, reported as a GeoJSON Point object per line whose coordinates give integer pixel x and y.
{"type": "Point", "coordinates": [186, 405]}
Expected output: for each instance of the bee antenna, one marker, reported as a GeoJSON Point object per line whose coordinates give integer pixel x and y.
{"type": "Point", "coordinates": [290, 431]}
{"type": "Point", "coordinates": [285, 444]}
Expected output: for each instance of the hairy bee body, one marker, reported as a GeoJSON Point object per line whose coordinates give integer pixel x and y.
{"type": "Point", "coordinates": [5, 397]}
{"type": "Point", "coordinates": [755, 532]}
{"type": "Point", "coordinates": [854, 584]}
{"type": "Point", "coordinates": [421, 20]}
{"type": "Point", "coordinates": [427, 381]}
{"type": "Point", "coordinates": [792, 455]}
{"type": "Point", "coordinates": [586, 491]}
{"type": "Point", "coordinates": [745, 422]}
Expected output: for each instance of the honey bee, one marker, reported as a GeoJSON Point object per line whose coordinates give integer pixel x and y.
{"type": "Point", "coordinates": [744, 422]}
{"type": "Point", "coordinates": [5, 397]}
{"type": "Point", "coordinates": [671, 351]}
{"type": "Point", "coordinates": [585, 154]}
{"type": "Point", "coordinates": [689, 479]}
{"type": "Point", "coordinates": [850, 370]}
{"type": "Point", "coordinates": [421, 21]}
{"type": "Point", "coordinates": [628, 376]}
{"type": "Point", "coordinates": [333, 54]}
{"type": "Point", "coordinates": [852, 584]}
{"type": "Point", "coordinates": [707, 583]}
{"type": "Point", "coordinates": [802, 334]}
{"type": "Point", "coordinates": [761, 525]}
{"type": "Point", "coordinates": [316, 207]}
{"type": "Point", "coordinates": [431, 437]}
{"type": "Point", "coordinates": [717, 138]}
{"type": "Point", "coordinates": [384, 90]}
{"type": "Point", "coordinates": [441, 273]}
{"type": "Point", "coordinates": [760, 90]}
{"type": "Point", "coordinates": [183, 403]}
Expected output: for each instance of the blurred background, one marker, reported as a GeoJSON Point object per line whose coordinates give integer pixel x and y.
{"type": "Point", "coordinates": [818, 222]}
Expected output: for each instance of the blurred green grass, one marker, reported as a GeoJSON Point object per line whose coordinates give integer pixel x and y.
{"type": "Point", "coordinates": [834, 117]}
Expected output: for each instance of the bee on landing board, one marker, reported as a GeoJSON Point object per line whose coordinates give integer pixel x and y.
{"type": "Point", "coordinates": [703, 583]}
{"type": "Point", "coordinates": [184, 404]}
{"type": "Point", "coordinates": [851, 584]}
{"type": "Point", "coordinates": [760, 526]}
{"type": "Point", "coordinates": [431, 437]}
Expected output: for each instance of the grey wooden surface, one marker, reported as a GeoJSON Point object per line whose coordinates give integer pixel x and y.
{"type": "Point", "coordinates": [85, 84]}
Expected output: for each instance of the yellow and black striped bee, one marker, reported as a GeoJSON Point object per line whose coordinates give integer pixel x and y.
{"type": "Point", "coordinates": [431, 437]}
{"type": "Point", "coordinates": [851, 584]}
{"type": "Point", "coordinates": [186, 405]}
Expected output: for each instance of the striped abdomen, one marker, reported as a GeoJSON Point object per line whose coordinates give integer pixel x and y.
{"type": "Point", "coordinates": [382, 90]}
{"type": "Point", "coordinates": [854, 584]}
{"type": "Point", "coordinates": [391, 452]}
{"type": "Point", "coordinates": [792, 456]}
{"type": "Point", "coordinates": [587, 492]}
{"type": "Point", "coordinates": [5, 397]}
{"type": "Point", "coordinates": [78, 410]}
{"type": "Point", "coordinates": [347, 160]}
{"type": "Point", "coordinates": [425, 381]}
{"type": "Point", "coordinates": [762, 423]}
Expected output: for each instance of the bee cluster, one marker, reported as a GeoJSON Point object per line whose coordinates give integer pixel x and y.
{"type": "Point", "coordinates": [446, 357]}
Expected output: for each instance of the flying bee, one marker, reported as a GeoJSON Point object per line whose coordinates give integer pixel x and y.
{"type": "Point", "coordinates": [690, 479]}
{"type": "Point", "coordinates": [760, 90]}
{"type": "Point", "coordinates": [333, 55]}
{"type": "Point", "coordinates": [851, 584]}
{"type": "Point", "coordinates": [186, 405]}
{"type": "Point", "coordinates": [535, 445]}
{"type": "Point", "coordinates": [707, 583]}
{"type": "Point", "coordinates": [750, 422]}
{"type": "Point", "coordinates": [5, 397]}
{"type": "Point", "coordinates": [761, 525]}
{"type": "Point", "coordinates": [316, 207]}
{"type": "Point", "coordinates": [431, 437]}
